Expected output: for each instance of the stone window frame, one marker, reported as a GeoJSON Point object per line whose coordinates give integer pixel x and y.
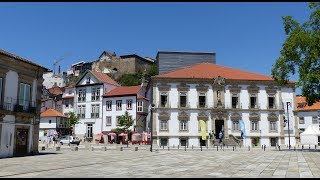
{"type": "Point", "coordinates": [30, 96]}
{"type": "Point", "coordinates": [127, 107]}
{"type": "Point", "coordinates": [206, 99]}
{"type": "Point", "coordinates": [179, 100]}
{"type": "Point", "coordinates": [315, 120]}
{"type": "Point", "coordinates": [238, 103]}
{"type": "Point", "coordinates": [276, 126]}
{"type": "Point", "coordinates": [164, 116]}
{"type": "Point", "coordinates": [139, 106]}
{"type": "Point", "coordinates": [274, 101]}
{"type": "Point", "coordinates": [254, 117]}
{"type": "Point", "coordinates": [184, 137]}
{"type": "Point", "coordinates": [82, 93]}
{"type": "Point", "coordinates": [167, 94]}
{"type": "Point", "coordinates": [251, 130]}
{"type": "Point", "coordinates": [253, 89]}
{"type": "Point", "coordinates": [301, 120]}
{"type": "Point", "coordinates": [109, 101]}
{"type": "Point", "coordinates": [257, 100]}
{"type": "Point", "coordinates": [94, 109]}
{"type": "Point", "coordinates": [183, 88]}
{"type": "Point", "coordinates": [81, 111]}
{"type": "Point", "coordinates": [167, 126]}
{"type": "Point", "coordinates": [108, 124]}
{"type": "Point", "coordinates": [183, 116]}
{"type": "Point", "coordinates": [235, 117]}
{"type": "Point", "coordinates": [118, 108]}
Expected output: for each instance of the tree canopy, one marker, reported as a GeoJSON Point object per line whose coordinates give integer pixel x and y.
{"type": "Point", "coordinates": [124, 122]}
{"type": "Point", "coordinates": [301, 53]}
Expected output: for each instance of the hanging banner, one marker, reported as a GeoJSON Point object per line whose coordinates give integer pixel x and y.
{"type": "Point", "coordinates": [203, 129]}
{"type": "Point", "coordinates": [242, 129]}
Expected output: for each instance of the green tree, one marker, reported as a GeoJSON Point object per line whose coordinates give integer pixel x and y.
{"type": "Point", "coordinates": [124, 122]}
{"type": "Point", "coordinates": [131, 79]}
{"type": "Point", "coordinates": [301, 53]}
{"type": "Point", "coordinates": [72, 120]}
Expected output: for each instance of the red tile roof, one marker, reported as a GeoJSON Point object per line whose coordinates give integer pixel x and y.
{"type": "Point", "coordinates": [209, 71]}
{"type": "Point", "coordinates": [51, 113]}
{"type": "Point", "coordinates": [55, 90]}
{"type": "Point", "coordinates": [104, 78]}
{"type": "Point", "coordinates": [142, 97]}
{"type": "Point", "coordinates": [304, 107]}
{"type": "Point", "coordinates": [67, 97]}
{"type": "Point", "coordinates": [123, 91]}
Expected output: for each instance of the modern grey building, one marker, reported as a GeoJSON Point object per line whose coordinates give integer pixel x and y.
{"type": "Point", "coordinates": [171, 60]}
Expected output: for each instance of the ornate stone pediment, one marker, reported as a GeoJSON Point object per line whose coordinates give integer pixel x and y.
{"type": "Point", "coordinates": [202, 116]}
{"type": "Point", "coordinates": [271, 90]}
{"type": "Point", "coordinates": [218, 81]}
{"type": "Point", "coordinates": [164, 87]}
{"type": "Point", "coordinates": [235, 116]}
{"type": "Point", "coordinates": [254, 116]}
{"type": "Point", "coordinates": [183, 87]}
{"type": "Point", "coordinates": [235, 89]}
{"type": "Point", "coordinates": [253, 88]}
{"type": "Point", "coordinates": [183, 116]}
{"type": "Point", "coordinates": [219, 114]}
{"type": "Point", "coordinates": [164, 116]}
{"type": "Point", "coordinates": [273, 117]}
{"type": "Point", "coordinates": [202, 88]}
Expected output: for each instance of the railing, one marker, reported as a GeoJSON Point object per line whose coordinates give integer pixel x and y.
{"type": "Point", "coordinates": [18, 105]}
{"type": "Point", "coordinates": [238, 141]}
{"type": "Point", "coordinates": [202, 105]}
{"type": "Point", "coordinates": [62, 126]}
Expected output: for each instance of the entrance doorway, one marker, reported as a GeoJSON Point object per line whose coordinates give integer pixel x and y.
{"type": "Point", "coordinates": [273, 141]}
{"type": "Point", "coordinates": [202, 142]}
{"type": "Point", "coordinates": [219, 127]}
{"type": "Point", "coordinates": [21, 142]}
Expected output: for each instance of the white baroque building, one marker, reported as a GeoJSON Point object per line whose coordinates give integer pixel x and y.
{"type": "Point", "coordinates": [88, 102]}
{"type": "Point", "coordinates": [221, 96]}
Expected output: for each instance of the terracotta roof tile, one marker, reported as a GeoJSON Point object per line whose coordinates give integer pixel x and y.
{"type": "Point", "coordinates": [123, 91]}
{"type": "Point", "coordinates": [51, 113]}
{"type": "Point", "coordinates": [67, 97]}
{"type": "Point", "coordinates": [55, 90]}
{"type": "Point", "coordinates": [104, 78]}
{"type": "Point", "coordinates": [209, 71]}
{"type": "Point", "coordinates": [302, 105]}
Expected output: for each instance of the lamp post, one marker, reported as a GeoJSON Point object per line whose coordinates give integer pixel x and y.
{"type": "Point", "coordinates": [288, 122]}
{"type": "Point", "coordinates": [151, 121]}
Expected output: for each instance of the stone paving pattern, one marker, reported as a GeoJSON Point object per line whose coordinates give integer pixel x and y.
{"type": "Point", "coordinates": [208, 163]}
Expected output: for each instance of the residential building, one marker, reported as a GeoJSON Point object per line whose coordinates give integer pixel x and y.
{"type": "Point", "coordinates": [52, 98]}
{"type": "Point", "coordinates": [125, 98]}
{"type": "Point", "coordinates": [54, 121]}
{"type": "Point", "coordinates": [20, 99]}
{"type": "Point", "coordinates": [221, 96]}
{"type": "Point", "coordinates": [88, 102]}
{"type": "Point", "coordinates": [171, 60]}
{"type": "Point", "coordinates": [68, 100]}
{"type": "Point", "coordinates": [51, 79]}
{"type": "Point", "coordinates": [307, 115]}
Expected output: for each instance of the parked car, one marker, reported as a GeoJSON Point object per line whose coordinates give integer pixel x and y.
{"type": "Point", "coordinates": [69, 140]}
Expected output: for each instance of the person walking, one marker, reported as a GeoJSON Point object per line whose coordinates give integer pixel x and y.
{"type": "Point", "coordinates": [220, 136]}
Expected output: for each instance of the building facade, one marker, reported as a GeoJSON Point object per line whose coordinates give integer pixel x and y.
{"type": "Point", "coordinates": [68, 100]}
{"type": "Point", "coordinates": [222, 97]}
{"type": "Point", "coordinates": [307, 115]}
{"type": "Point", "coordinates": [88, 102]}
{"type": "Point", "coordinates": [20, 99]}
{"type": "Point", "coordinates": [54, 121]}
{"type": "Point", "coordinates": [126, 98]}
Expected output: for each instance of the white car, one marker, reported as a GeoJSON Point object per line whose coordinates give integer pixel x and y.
{"type": "Point", "coordinates": [69, 140]}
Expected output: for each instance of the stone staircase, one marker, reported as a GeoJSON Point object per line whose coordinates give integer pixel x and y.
{"type": "Point", "coordinates": [231, 141]}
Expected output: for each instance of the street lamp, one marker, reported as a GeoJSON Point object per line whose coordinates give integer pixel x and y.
{"type": "Point", "coordinates": [288, 122]}
{"type": "Point", "coordinates": [151, 121]}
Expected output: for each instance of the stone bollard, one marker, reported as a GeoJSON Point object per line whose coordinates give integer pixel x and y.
{"type": "Point", "coordinates": [104, 148]}
{"type": "Point", "coordinates": [192, 147]}
{"type": "Point", "coordinates": [162, 146]}
{"type": "Point", "coordinates": [232, 148]}
{"type": "Point", "coordinates": [315, 146]}
{"type": "Point", "coordinates": [168, 148]}
{"type": "Point", "coordinates": [43, 148]}
{"type": "Point", "coordinates": [178, 146]}
{"type": "Point", "coordinates": [135, 148]}
{"type": "Point", "coordinates": [217, 148]}
{"type": "Point", "coordinates": [294, 148]}
{"type": "Point", "coordinates": [201, 147]}
{"type": "Point", "coordinates": [302, 146]}
{"type": "Point", "coordinates": [120, 148]}
{"type": "Point", "coordinates": [58, 148]}
{"type": "Point", "coordinates": [185, 148]}
{"type": "Point", "coordinates": [249, 148]}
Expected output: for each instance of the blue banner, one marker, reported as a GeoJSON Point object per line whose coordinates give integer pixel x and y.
{"type": "Point", "coordinates": [242, 128]}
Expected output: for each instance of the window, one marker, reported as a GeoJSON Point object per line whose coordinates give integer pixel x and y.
{"type": "Point", "coordinates": [271, 102]}
{"type": "Point", "coordinates": [163, 125]}
{"type": "Point", "coordinates": [24, 95]}
{"type": "Point", "coordinates": [95, 108]}
{"type": "Point", "coordinates": [315, 120]}
{"type": "Point", "coordinates": [108, 121]}
{"type": "Point", "coordinates": [183, 125]}
{"type": "Point", "coordinates": [88, 80]}
{"type": "Point", "coordinates": [235, 125]}
{"type": "Point", "coordinates": [254, 125]}
{"type": "Point", "coordinates": [119, 105]}
{"type": "Point", "coordinates": [163, 99]}
{"type": "Point", "coordinates": [301, 120]}
{"type": "Point", "coordinates": [109, 105]}
{"type": "Point", "coordinates": [183, 141]}
{"type": "Point", "coordinates": [140, 106]}
{"type": "Point", "coordinates": [95, 94]}
{"type": "Point", "coordinates": [117, 123]}
{"type": "Point", "coordinates": [82, 111]}
{"type": "Point", "coordinates": [163, 141]}
{"type": "Point", "coordinates": [49, 121]}
{"type": "Point", "coordinates": [234, 100]}
{"type": "Point", "coordinates": [253, 101]}
{"type": "Point", "coordinates": [202, 100]}
{"type": "Point", "coordinates": [183, 99]}
{"type": "Point", "coordinates": [82, 95]}
{"type": "Point", "coordinates": [273, 126]}
{"type": "Point", "coordinates": [129, 104]}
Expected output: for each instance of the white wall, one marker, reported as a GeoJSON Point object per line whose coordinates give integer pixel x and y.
{"type": "Point", "coordinates": [49, 80]}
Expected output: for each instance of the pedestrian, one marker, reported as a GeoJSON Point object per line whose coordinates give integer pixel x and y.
{"type": "Point", "coordinates": [220, 136]}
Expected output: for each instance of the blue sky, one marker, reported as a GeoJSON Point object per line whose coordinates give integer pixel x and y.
{"type": "Point", "coordinates": [246, 36]}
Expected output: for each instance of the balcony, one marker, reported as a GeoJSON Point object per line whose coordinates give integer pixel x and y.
{"type": "Point", "coordinates": [62, 126]}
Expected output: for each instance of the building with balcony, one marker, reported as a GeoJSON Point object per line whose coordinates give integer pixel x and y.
{"type": "Point", "coordinates": [307, 115]}
{"type": "Point", "coordinates": [126, 98]}
{"type": "Point", "coordinates": [88, 102]}
{"type": "Point", "coordinates": [222, 97]}
{"type": "Point", "coordinates": [20, 99]}
{"type": "Point", "coordinates": [54, 121]}
{"type": "Point", "coordinates": [68, 100]}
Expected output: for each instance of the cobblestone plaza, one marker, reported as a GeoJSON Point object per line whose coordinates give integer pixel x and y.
{"type": "Point", "coordinates": [208, 163]}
